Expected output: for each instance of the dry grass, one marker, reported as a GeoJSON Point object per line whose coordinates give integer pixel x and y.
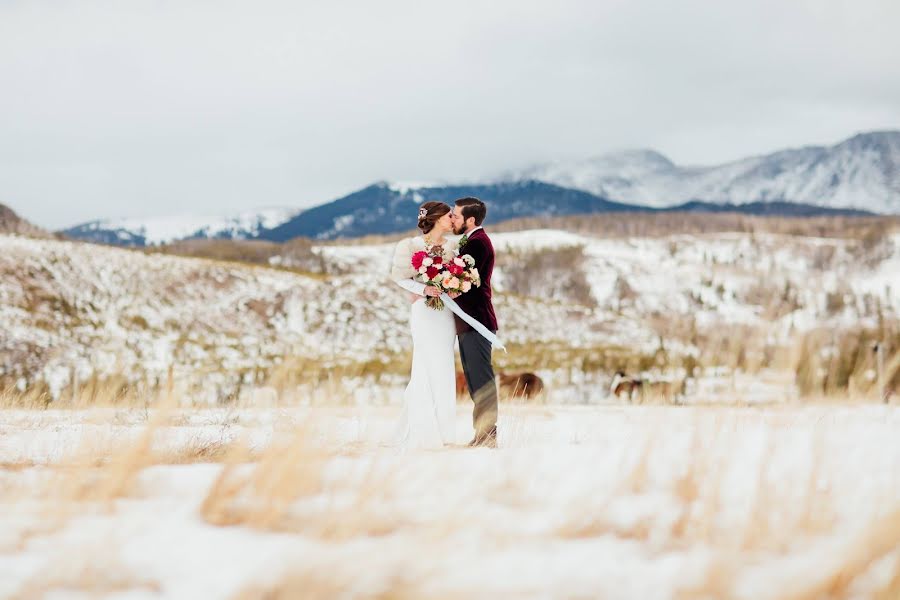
{"type": "Point", "coordinates": [550, 271]}
{"type": "Point", "coordinates": [304, 583]}
{"type": "Point", "coordinates": [830, 362]}
{"type": "Point", "coordinates": [200, 452]}
{"type": "Point", "coordinates": [296, 256]}
{"type": "Point", "coordinates": [270, 495]}
{"type": "Point", "coordinates": [194, 452]}
{"type": "Point", "coordinates": [782, 515]}
{"type": "Point", "coordinates": [842, 363]}
{"type": "Point", "coordinates": [93, 574]}
{"type": "Point", "coordinates": [261, 497]}
{"type": "Point", "coordinates": [879, 540]}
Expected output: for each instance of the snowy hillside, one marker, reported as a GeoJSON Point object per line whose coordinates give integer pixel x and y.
{"type": "Point", "coordinates": [152, 231]}
{"type": "Point", "coordinates": [718, 278]}
{"type": "Point", "coordinates": [71, 310]}
{"type": "Point", "coordinates": [862, 172]}
{"type": "Point", "coordinates": [11, 223]}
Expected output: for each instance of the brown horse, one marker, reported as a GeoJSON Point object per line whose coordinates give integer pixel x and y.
{"type": "Point", "coordinates": [623, 385]}
{"type": "Point", "coordinates": [512, 385]}
{"type": "Point", "coordinates": [636, 390]}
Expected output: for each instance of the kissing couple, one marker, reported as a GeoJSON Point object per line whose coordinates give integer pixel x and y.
{"type": "Point", "coordinates": [429, 402]}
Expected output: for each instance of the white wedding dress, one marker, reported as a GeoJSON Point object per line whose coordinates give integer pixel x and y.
{"type": "Point", "coordinates": [429, 402]}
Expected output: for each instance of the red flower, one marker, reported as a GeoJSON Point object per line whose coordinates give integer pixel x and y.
{"type": "Point", "coordinates": [432, 271]}
{"type": "Point", "coordinates": [417, 259]}
{"type": "Point", "coordinates": [455, 269]}
{"type": "Point", "coordinates": [437, 260]}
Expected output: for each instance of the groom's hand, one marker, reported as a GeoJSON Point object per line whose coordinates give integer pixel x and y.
{"type": "Point", "coordinates": [432, 291]}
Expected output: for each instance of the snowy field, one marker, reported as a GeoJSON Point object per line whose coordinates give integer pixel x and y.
{"type": "Point", "coordinates": [645, 502]}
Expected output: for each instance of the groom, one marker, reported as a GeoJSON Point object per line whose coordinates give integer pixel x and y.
{"type": "Point", "coordinates": [475, 350]}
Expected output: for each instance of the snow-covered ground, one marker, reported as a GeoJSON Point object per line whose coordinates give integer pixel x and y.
{"type": "Point", "coordinates": [645, 503]}
{"type": "Point", "coordinates": [291, 489]}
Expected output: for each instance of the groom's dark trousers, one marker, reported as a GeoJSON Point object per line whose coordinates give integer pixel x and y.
{"type": "Point", "coordinates": [474, 350]}
{"type": "Point", "coordinates": [475, 354]}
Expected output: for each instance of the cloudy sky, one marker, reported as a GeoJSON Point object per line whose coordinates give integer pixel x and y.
{"type": "Point", "coordinates": [188, 106]}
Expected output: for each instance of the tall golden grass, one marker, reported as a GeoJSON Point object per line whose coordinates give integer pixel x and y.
{"type": "Point", "coordinates": [837, 365]}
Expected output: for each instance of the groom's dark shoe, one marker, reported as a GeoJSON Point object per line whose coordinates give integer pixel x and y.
{"type": "Point", "coordinates": [487, 439]}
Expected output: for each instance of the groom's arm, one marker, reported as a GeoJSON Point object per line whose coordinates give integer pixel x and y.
{"type": "Point", "coordinates": [478, 251]}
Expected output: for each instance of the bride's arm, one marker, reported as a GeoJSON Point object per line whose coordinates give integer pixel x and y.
{"type": "Point", "coordinates": [402, 272]}
{"type": "Point", "coordinates": [411, 286]}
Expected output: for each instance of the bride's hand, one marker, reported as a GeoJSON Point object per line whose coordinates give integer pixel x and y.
{"type": "Point", "coordinates": [432, 291]}
{"type": "Point", "coordinates": [454, 295]}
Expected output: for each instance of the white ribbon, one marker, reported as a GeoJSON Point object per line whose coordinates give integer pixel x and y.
{"type": "Point", "coordinates": [484, 331]}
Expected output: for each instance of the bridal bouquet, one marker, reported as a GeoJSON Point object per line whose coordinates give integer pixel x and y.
{"type": "Point", "coordinates": [446, 272]}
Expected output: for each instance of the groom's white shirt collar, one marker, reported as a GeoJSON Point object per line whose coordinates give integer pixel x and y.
{"type": "Point", "coordinates": [468, 233]}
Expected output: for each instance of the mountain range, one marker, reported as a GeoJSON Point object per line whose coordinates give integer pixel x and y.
{"type": "Point", "coordinates": [860, 175]}
{"type": "Point", "coordinates": [862, 172]}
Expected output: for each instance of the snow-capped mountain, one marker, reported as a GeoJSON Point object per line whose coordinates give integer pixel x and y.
{"type": "Point", "coordinates": [381, 208]}
{"type": "Point", "coordinates": [152, 231]}
{"type": "Point", "coordinates": [862, 172]}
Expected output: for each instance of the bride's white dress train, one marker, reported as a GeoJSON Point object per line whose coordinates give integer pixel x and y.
{"type": "Point", "coordinates": [429, 403]}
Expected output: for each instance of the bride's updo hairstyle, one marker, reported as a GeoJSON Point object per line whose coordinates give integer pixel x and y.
{"type": "Point", "coordinates": [429, 213]}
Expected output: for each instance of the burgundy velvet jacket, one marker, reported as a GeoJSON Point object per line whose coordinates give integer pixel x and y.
{"type": "Point", "coordinates": [477, 301]}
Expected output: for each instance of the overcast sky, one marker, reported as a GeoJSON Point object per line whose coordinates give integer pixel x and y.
{"type": "Point", "coordinates": [134, 108]}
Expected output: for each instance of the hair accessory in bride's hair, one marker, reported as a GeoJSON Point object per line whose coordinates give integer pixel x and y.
{"type": "Point", "coordinates": [422, 213]}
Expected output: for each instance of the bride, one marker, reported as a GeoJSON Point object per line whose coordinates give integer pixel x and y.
{"type": "Point", "coordinates": [429, 402]}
